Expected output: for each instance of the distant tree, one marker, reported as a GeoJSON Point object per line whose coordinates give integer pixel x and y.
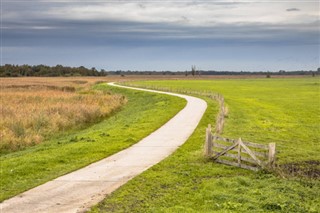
{"type": "Point", "coordinates": [93, 71]}
{"type": "Point", "coordinates": [193, 70]}
{"type": "Point", "coordinates": [103, 72]}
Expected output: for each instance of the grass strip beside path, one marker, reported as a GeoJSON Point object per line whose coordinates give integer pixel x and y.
{"type": "Point", "coordinates": [144, 113]}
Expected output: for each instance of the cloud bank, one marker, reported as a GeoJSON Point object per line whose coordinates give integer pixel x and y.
{"type": "Point", "coordinates": [31, 26]}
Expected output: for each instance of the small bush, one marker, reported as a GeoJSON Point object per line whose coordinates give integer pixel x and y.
{"type": "Point", "coordinates": [40, 122]}
{"type": "Point", "coordinates": [17, 129]}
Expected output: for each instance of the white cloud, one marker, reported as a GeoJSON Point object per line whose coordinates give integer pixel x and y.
{"type": "Point", "coordinates": [187, 14]}
{"type": "Point", "coordinates": [184, 13]}
{"type": "Point", "coordinates": [167, 19]}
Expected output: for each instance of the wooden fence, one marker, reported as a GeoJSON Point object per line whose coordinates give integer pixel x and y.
{"type": "Point", "coordinates": [222, 113]}
{"type": "Point", "coordinates": [239, 153]}
{"type": "Point", "coordinates": [223, 110]}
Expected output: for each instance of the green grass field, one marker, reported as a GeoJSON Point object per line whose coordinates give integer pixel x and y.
{"type": "Point", "coordinates": [285, 111]}
{"type": "Point", "coordinates": [69, 151]}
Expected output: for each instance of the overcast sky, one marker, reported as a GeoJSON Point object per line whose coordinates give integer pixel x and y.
{"type": "Point", "coordinates": [163, 35]}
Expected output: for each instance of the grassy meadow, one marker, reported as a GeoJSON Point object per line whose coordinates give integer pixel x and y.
{"type": "Point", "coordinates": [71, 149]}
{"type": "Point", "coordinates": [285, 111]}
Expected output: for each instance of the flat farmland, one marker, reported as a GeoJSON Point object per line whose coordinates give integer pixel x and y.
{"type": "Point", "coordinates": [284, 111]}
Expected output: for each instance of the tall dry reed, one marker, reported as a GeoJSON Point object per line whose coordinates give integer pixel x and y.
{"type": "Point", "coordinates": [30, 113]}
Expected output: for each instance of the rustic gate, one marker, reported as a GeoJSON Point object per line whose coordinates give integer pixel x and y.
{"type": "Point", "coordinates": [239, 153]}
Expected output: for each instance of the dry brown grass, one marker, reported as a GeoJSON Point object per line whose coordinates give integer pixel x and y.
{"type": "Point", "coordinates": [35, 108]}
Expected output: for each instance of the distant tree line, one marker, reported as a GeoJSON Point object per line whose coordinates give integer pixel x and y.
{"type": "Point", "coordinates": [195, 72]}
{"type": "Point", "coordinates": [281, 72]}
{"type": "Point", "coordinates": [9, 70]}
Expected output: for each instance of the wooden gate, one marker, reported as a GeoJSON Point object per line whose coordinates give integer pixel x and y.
{"type": "Point", "coordinates": [239, 153]}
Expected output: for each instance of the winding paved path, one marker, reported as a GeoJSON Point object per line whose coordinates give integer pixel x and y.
{"type": "Point", "coordinates": [79, 190]}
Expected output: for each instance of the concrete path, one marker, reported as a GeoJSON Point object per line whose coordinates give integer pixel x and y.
{"type": "Point", "coordinates": [79, 190]}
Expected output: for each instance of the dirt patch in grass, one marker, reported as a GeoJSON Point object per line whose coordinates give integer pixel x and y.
{"type": "Point", "coordinates": [308, 169]}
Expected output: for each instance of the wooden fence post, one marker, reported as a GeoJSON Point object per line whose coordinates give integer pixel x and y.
{"type": "Point", "coordinates": [222, 123]}
{"type": "Point", "coordinates": [208, 144]}
{"type": "Point", "coordinates": [209, 141]}
{"type": "Point", "coordinates": [272, 153]}
{"type": "Point", "coordinates": [239, 151]}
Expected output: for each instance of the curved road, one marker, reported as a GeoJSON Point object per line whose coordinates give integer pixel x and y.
{"type": "Point", "coordinates": [79, 190]}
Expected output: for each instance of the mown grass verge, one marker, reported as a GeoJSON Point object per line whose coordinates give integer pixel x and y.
{"type": "Point", "coordinates": [69, 151]}
{"type": "Point", "coordinates": [187, 182]}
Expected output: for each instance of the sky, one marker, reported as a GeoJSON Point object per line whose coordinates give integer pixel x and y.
{"type": "Point", "coordinates": [154, 35]}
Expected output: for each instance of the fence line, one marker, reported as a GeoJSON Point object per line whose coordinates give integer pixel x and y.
{"type": "Point", "coordinates": [223, 110]}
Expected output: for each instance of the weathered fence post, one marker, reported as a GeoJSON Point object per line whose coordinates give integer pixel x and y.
{"type": "Point", "coordinates": [208, 144]}
{"type": "Point", "coordinates": [239, 151]}
{"type": "Point", "coordinates": [272, 153]}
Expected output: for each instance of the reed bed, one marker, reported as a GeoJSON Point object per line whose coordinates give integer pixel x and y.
{"type": "Point", "coordinates": [31, 112]}
{"type": "Point", "coordinates": [76, 82]}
